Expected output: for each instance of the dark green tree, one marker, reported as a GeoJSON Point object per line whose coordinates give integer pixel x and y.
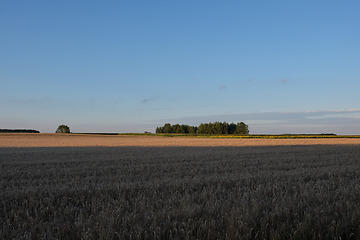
{"type": "Point", "coordinates": [218, 128]}
{"type": "Point", "coordinates": [63, 129]}
{"type": "Point", "coordinates": [192, 129]}
{"type": "Point", "coordinates": [176, 128]}
{"type": "Point", "coordinates": [202, 128]}
{"type": "Point", "coordinates": [242, 128]}
{"type": "Point", "coordinates": [167, 128]}
{"type": "Point", "coordinates": [159, 130]}
{"type": "Point", "coordinates": [231, 128]}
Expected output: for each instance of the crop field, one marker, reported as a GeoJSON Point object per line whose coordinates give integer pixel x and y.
{"type": "Point", "coordinates": [87, 140]}
{"type": "Point", "coordinates": [169, 191]}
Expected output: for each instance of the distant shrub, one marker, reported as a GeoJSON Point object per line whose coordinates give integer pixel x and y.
{"type": "Point", "coordinates": [63, 129]}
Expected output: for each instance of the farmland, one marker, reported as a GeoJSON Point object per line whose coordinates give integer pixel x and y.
{"type": "Point", "coordinates": [87, 140]}
{"type": "Point", "coordinates": [178, 188]}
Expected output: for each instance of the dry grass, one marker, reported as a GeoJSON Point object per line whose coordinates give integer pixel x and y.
{"type": "Point", "coordinates": [79, 140]}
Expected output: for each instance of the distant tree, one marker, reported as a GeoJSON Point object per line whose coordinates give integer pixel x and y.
{"type": "Point", "coordinates": [231, 128]}
{"type": "Point", "coordinates": [202, 128]}
{"type": "Point", "coordinates": [63, 129]}
{"type": "Point", "coordinates": [167, 128]}
{"type": "Point", "coordinates": [192, 129]}
{"type": "Point", "coordinates": [159, 130]}
{"type": "Point", "coordinates": [221, 128]}
{"type": "Point", "coordinates": [185, 128]}
{"type": "Point", "coordinates": [176, 128]}
{"type": "Point", "coordinates": [241, 128]}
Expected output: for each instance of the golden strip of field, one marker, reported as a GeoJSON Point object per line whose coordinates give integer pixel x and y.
{"type": "Point", "coordinates": [83, 140]}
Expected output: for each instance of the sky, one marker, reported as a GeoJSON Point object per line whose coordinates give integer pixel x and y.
{"type": "Point", "coordinates": [130, 66]}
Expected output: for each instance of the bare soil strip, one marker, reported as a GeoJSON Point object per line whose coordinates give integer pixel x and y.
{"type": "Point", "coordinates": [82, 140]}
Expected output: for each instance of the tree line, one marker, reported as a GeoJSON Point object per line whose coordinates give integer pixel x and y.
{"type": "Point", "coordinates": [18, 131]}
{"type": "Point", "coordinates": [206, 128]}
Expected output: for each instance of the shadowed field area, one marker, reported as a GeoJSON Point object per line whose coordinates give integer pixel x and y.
{"type": "Point", "coordinates": [274, 192]}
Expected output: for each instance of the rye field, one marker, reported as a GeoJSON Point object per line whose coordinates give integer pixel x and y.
{"type": "Point", "coordinates": [57, 187]}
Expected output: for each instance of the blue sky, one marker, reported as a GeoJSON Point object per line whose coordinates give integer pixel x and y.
{"type": "Point", "coordinates": [129, 66]}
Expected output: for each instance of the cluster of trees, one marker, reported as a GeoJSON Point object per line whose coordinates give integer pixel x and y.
{"type": "Point", "coordinates": [18, 131]}
{"type": "Point", "coordinates": [177, 128]}
{"type": "Point", "coordinates": [206, 128]}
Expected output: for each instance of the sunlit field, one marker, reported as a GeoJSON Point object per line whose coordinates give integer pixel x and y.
{"type": "Point", "coordinates": [180, 192]}
{"type": "Point", "coordinates": [155, 140]}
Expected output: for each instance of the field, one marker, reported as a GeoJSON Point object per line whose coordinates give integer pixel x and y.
{"type": "Point", "coordinates": [87, 140]}
{"type": "Point", "coordinates": [138, 187]}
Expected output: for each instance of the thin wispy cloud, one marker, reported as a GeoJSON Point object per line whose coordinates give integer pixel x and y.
{"type": "Point", "coordinates": [161, 109]}
{"type": "Point", "coordinates": [146, 100]}
{"type": "Point", "coordinates": [29, 101]}
{"type": "Point", "coordinates": [345, 110]}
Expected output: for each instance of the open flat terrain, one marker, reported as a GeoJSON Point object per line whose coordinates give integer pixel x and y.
{"type": "Point", "coordinates": [142, 187]}
{"type": "Point", "coordinates": [83, 140]}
